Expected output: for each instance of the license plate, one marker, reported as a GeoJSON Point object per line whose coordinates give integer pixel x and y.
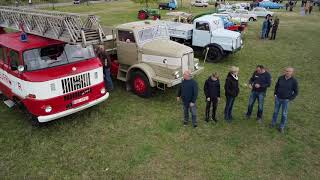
{"type": "Point", "coordinates": [77, 101]}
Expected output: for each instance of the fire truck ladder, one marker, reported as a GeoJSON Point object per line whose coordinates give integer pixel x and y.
{"type": "Point", "coordinates": [55, 25]}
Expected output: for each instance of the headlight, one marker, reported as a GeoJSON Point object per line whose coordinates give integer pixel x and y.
{"type": "Point", "coordinates": [48, 109]}
{"type": "Point", "coordinates": [196, 66]}
{"type": "Point", "coordinates": [103, 90]}
{"type": "Point", "coordinates": [176, 74]}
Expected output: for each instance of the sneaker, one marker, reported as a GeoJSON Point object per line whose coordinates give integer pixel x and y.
{"type": "Point", "coordinates": [281, 130]}
{"type": "Point", "coordinates": [259, 120]}
{"type": "Point", "coordinates": [207, 119]}
{"type": "Point", "coordinates": [195, 126]}
{"type": "Point", "coordinates": [215, 120]}
{"type": "Point", "coordinates": [271, 126]}
{"type": "Point", "coordinates": [185, 123]}
{"type": "Point", "coordinates": [247, 117]}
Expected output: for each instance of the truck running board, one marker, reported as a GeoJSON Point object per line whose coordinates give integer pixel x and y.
{"type": "Point", "coordinates": [9, 103]}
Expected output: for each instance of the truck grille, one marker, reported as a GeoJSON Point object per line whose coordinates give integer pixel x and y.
{"type": "Point", "coordinates": [77, 95]}
{"type": "Point", "coordinates": [75, 83]}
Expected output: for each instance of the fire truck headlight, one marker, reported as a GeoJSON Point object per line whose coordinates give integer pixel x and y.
{"type": "Point", "coordinates": [96, 75]}
{"type": "Point", "coordinates": [48, 109]}
{"type": "Point", "coordinates": [103, 90]}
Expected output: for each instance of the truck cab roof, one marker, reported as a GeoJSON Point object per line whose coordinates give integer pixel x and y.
{"type": "Point", "coordinates": [12, 41]}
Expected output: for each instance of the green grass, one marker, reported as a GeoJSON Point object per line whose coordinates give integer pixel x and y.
{"type": "Point", "coordinates": [128, 137]}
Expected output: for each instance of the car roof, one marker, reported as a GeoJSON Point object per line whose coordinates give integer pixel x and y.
{"type": "Point", "coordinates": [12, 41]}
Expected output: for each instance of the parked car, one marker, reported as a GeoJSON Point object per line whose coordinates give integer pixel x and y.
{"type": "Point", "coordinates": [228, 24]}
{"type": "Point", "coordinates": [76, 1]}
{"type": "Point", "coordinates": [261, 12]}
{"type": "Point", "coordinates": [200, 3]}
{"type": "Point", "coordinates": [241, 6]}
{"type": "Point", "coordinates": [171, 5]}
{"type": "Point", "coordinates": [236, 19]}
{"type": "Point", "coordinates": [270, 5]}
{"type": "Point", "coordinates": [244, 13]}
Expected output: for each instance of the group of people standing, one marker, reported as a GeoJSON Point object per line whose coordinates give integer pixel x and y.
{"type": "Point", "coordinates": [269, 24]}
{"type": "Point", "coordinates": [286, 89]}
{"type": "Point", "coordinates": [306, 6]}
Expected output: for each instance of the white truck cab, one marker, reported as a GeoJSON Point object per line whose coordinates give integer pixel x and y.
{"type": "Point", "coordinates": [208, 33]}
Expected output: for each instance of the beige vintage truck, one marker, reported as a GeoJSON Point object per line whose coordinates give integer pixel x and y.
{"type": "Point", "coordinates": [144, 57]}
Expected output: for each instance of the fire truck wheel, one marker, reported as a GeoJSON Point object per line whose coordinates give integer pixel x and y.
{"type": "Point", "coordinates": [251, 19]}
{"type": "Point", "coordinates": [34, 121]}
{"type": "Point", "coordinates": [214, 55]}
{"type": "Point", "coordinates": [142, 15]}
{"type": "Point", "coordinates": [140, 84]}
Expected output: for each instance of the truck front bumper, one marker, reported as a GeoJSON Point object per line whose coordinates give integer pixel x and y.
{"type": "Point", "coordinates": [51, 117]}
{"type": "Point", "coordinates": [173, 82]}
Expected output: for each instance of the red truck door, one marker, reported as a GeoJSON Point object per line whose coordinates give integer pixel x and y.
{"type": "Point", "coordinates": [12, 70]}
{"type": "Point", "coordinates": [4, 79]}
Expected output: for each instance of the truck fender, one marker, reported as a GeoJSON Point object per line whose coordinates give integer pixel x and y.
{"type": "Point", "coordinates": [146, 69]}
{"type": "Point", "coordinates": [215, 45]}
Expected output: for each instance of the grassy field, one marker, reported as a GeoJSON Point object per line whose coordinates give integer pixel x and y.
{"type": "Point", "coordinates": [128, 137]}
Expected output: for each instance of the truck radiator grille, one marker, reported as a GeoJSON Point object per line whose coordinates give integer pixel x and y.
{"type": "Point", "coordinates": [78, 94]}
{"type": "Point", "coordinates": [75, 83]}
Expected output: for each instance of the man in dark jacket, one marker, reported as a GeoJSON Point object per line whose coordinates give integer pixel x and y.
{"type": "Point", "coordinates": [286, 90]}
{"type": "Point", "coordinates": [269, 25]}
{"type": "Point", "coordinates": [231, 88]}
{"type": "Point", "coordinates": [188, 92]}
{"type": "Point", "coordinates": [259, 82]}
{"type": "Point", "coordinates": [106, 62]}
{"type": "Point", "coordinates": [212, 93]}
{"type": "Point", "coordinates": [274, 28]}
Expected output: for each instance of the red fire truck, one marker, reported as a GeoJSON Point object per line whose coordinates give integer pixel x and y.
{"type": "Point", "coordinates": [52, 71]}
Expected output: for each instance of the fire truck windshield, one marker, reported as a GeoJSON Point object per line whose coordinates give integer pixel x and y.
{"type": "Point", "coordinates": [57, 55]}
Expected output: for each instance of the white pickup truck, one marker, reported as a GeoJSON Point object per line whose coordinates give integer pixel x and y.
{"type": "Point", "coordinates": [208, 34]}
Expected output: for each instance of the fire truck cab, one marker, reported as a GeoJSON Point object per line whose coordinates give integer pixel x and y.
{"type": "Point", "coordinates": [49, 78]}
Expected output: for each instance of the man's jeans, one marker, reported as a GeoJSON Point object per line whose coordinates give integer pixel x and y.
{"type": "Point", "coordinates": [284, 117]}
{"type": "Point", "coordinates": [193, 110]}
{"type": "Point", "coordinates": [228, 108]}
{"type": "Point", "coordinates": [263, 33]}
{"type": "Point", "coordinates": [107, 79]}
{"type": "Point", "coordinates": [253, 96]}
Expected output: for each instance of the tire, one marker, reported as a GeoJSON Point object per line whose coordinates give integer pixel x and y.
{"type": "Point", "coordinates": [22, 108]}
{"type": "Point", "coordinates": [156, 17]}
{"type": "Point", "coordinates": [140, 84]}
{"type": "Point", "coordinates": [268, 15]}
{"type": "Point", "coordinates": [142, 15]}
{"type": "Point", "coordinates": [251, 19]}
{"type": "Point", "coordinates": [214, 54]}
{"type": "Point", "coordinates": [34, 121]}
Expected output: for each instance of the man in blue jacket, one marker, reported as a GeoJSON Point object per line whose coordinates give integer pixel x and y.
{"type": "Point", "coordinates": [188, 92]}
{"type": "Point", "coordinates": [259, 82]}
{"type": "Point", "coordinates": [286, 90]}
